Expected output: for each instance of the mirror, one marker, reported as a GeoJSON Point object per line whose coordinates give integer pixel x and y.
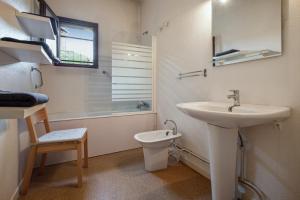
{"type": "Point", "coordinates": [245, 30]}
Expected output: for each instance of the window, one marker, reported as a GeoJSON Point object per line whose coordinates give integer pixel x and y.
{"type": "Point", "coordinates": [78, 43]}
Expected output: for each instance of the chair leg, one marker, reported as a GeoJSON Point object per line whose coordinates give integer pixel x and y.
{"type": "Point", "coordinates": [86, 156]}
{"type": "Point", "coordinates": [79, 163]}
{"type": "Point", "coordinates": [43, 162]}
{"type": "Point", "coordinates": [28, 170]}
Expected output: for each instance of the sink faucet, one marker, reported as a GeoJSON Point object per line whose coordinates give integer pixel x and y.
{"type": "Point", "coordinates": [174, 130]}
{"type": "Point", "coordinates": [236, 97]}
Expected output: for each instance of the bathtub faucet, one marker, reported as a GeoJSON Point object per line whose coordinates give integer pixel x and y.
{"type": "Point", "coordinates": [175, 126]}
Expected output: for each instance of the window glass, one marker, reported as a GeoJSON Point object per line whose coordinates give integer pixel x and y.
{"type": "Point", "coordinates": [78, 44]}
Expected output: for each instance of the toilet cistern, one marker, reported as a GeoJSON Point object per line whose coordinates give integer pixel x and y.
{"type": "Point", "coordinates": [236, 97]}
{"type": "Point", "coordinates": [174, 129]}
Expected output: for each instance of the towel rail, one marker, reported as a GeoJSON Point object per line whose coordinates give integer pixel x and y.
{"type": "Point", "coordinates": [192, 74]}
{"type": "Point", "coordinates": [36, 86]}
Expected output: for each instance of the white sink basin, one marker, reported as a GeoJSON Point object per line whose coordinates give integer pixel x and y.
{"type": "Point", "coordinates": [243, 116]}
{"type": "Point", "coordinates": [223, 137]}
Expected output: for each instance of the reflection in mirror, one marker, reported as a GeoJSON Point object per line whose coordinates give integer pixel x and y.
{"type": "Point", "coordinates": [245, 30]}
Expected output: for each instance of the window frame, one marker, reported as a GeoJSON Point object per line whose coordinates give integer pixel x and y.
{"type": "Point", "coordinates": [44, 7]}
{"type": "Point", "coordinates": [92, 25]}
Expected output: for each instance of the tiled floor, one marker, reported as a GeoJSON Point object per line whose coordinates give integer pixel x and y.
{"type": "Point", "coordinates": [119, 176]}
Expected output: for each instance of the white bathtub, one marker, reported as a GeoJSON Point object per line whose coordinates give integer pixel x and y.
{"type": "Point", "coordinates": [155, 147]}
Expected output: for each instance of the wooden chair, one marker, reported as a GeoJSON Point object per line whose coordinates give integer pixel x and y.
{"type": "Point", "coordinates": [72, 139]}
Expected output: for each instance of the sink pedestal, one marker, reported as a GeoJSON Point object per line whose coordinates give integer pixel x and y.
{"type": "Point", "coordinates": [223, 158]}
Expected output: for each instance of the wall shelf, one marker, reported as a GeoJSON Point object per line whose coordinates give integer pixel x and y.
{"type": "Point", "coordinates": [243, 56]}
{"type": "Point", "coordinates": [36, 26]}
{"type": "Point", "coordinates": [23, 53]}
{"type": "Point", "coordinates": [19, 112]}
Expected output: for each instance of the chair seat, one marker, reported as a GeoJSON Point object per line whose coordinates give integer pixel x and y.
{"type": "Point", "coordinates": [63, 135]}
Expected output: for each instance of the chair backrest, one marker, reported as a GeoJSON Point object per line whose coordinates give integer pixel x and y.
{"type": "Point", "coordinates": [32, 120]}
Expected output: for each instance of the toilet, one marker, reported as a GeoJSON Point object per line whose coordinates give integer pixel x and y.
{"type": "Point", "coordinates": [155, 147]}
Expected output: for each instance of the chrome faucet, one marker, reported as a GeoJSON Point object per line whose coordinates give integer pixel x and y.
{"type": "Point", "coordinates": [236, 97]}
{"type": "Point", "coordinates": [174, 129]}
{"type": "Point", "coordinates": [142, 104]}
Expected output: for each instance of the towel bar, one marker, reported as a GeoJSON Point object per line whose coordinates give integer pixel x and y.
{"type": "Point", "coordinates": [192, 74]}
{"type": "Point", "coordinates": [41, 77]}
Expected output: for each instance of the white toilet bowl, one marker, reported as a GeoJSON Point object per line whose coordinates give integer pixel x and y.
{"type": "Point", "coordinates": [155, 147]}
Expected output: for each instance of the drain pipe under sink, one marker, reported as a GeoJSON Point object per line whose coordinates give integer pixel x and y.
{"type": "Point", "coordinates": [182, 149]}
{"type": "Point", "coordinates": [242, 178]}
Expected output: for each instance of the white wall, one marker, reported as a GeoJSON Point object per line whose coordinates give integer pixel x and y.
{"type": "Point", "coordinates": [78, 91]}
{"type": "Point", "coordinates": [15, 77]}
{"type": "Point", "coordinates": [182, 47]}
{"type": "Point", "coordinates": [273, 156]}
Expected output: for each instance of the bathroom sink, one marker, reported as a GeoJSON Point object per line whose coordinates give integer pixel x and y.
{"type": "Point", "coordinates": [223, 127]}
{"type": "Point", "coordinates": [245, 115]}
